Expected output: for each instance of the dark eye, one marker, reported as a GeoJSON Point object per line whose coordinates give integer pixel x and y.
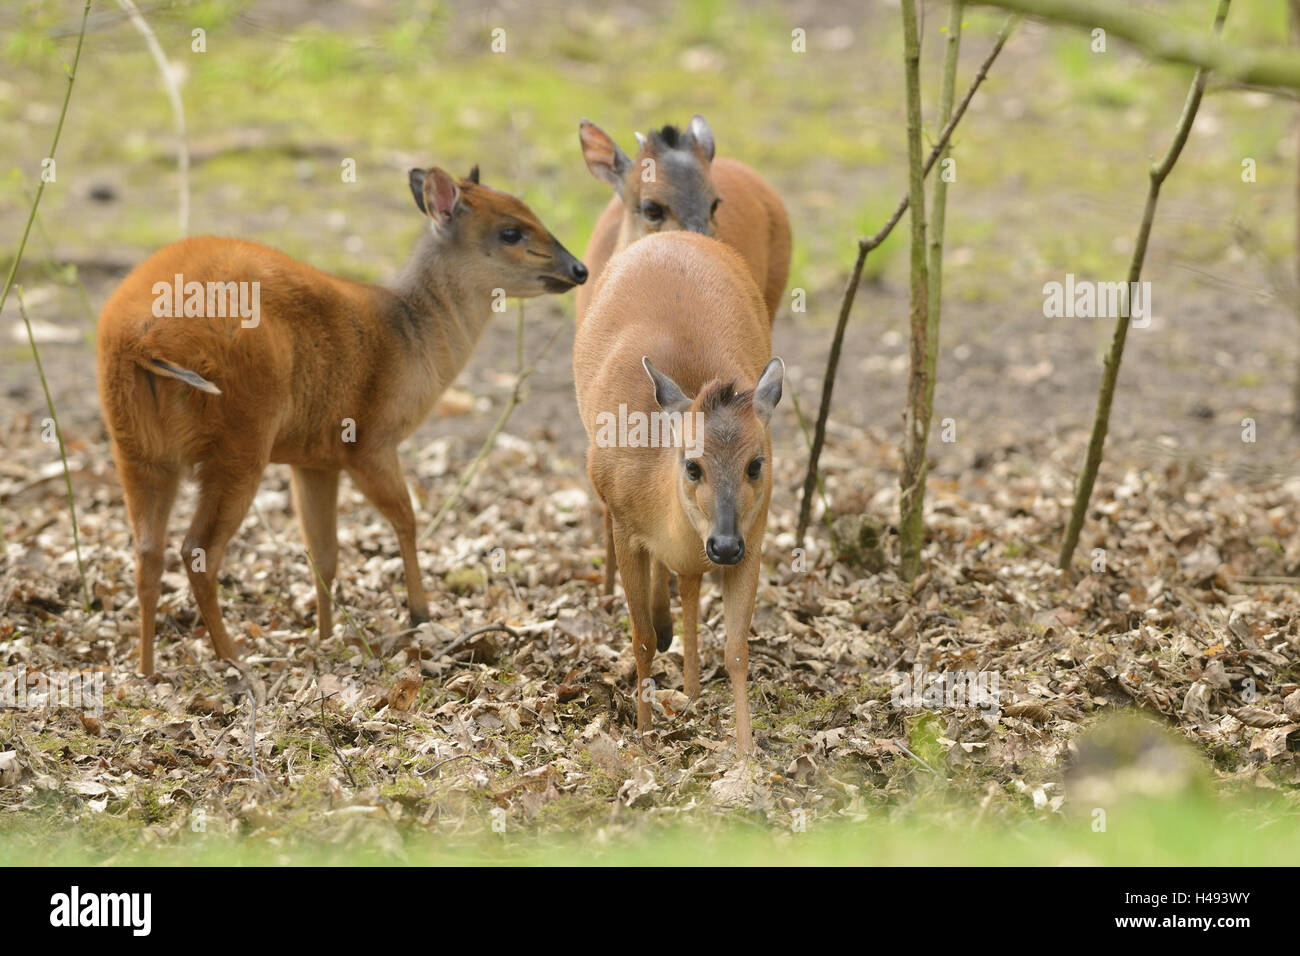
{"type": "Point", "coordinates": [714, 208]}
{"type": "Point", "coordinates": [755, 468]}
{"type": "Point", "coordinates": [653, 211]}
{"type": "Point", "coordinates": [693, 470]}
{"type": "Point", "coordinates": [511, 236]}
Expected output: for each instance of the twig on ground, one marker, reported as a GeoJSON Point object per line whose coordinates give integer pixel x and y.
{"type": "Point", "coordinates": [63, 451]}
{"type": "Point", "coordinates": [442, 763]}
{"type": "Point", "coordinates": [515, 397]}
{"type": "Point", "coordinates": [903, 747]}
{"type": "Point", "coordinates": [464, 639]}
{"type": "Point", "coordinates": [329, 735]}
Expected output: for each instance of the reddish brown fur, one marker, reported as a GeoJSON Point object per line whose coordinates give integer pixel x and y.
{"type": "Point", "coordinates": [689, 304]}
{"type": "Point", "coordinates": [751, 219]}
{"type": "Point", "coordinates": [325, 349]}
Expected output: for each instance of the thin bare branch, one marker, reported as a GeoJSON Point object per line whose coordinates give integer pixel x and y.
{"type": "Point", "coordinates": [1110, 375]}
{"type": "Point", "coordinates": [865, 245]}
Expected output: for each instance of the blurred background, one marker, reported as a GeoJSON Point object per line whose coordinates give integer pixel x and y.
{"type": "Point", "coordinates": [1051, 173]}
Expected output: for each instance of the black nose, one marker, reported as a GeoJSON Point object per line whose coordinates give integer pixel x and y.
{"type": "Point", "coordinates": [725, 548]}
{"type": "Point", "coordinates": [578, 271]}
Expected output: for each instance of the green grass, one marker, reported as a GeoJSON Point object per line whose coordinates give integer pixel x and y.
{"type": "Point", "coordinates": [823, 126]}
{"type": "Point", "coordinates": [1188, 832]}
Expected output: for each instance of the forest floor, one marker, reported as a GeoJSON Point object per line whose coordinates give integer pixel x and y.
{"type": "Point", "coordinates": [1182, 605]}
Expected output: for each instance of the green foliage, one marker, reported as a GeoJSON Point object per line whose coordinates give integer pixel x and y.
{"type": "Point", "coordinates": [1190, 831]}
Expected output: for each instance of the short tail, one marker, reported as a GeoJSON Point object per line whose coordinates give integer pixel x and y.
{"type": "Point", "coordinates": [184, 374]}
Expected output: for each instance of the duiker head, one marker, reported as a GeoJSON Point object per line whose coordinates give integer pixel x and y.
{"type": "Point", "coordinates": [670, 183]}
{"type": "Point", "coordinates": [723, 489]}
{"type": "Point", "coordinates": [500, 236]}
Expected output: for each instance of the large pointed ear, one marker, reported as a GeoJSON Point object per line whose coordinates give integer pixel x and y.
{"type": "Point", "coordinates": [768, 390]}
{"type": "Point", "coordinates": [417, 188]}
{"type": "Point", "coordinates": [667, 393]}
{"type": "Point", "coordinates": [606, 161]}
{"type": "Point", "coordinates": [702, 134]}
{"type": "Point", "coordinates": [440, 195]}
{"type": "Point", "coordinates": [473, 175]}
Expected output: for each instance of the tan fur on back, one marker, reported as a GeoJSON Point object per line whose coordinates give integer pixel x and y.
{"type": "Point", "coordinates": [687, 302]}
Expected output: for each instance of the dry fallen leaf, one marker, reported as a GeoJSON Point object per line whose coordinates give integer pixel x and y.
{"type": "Point", "coordinates": [1029, 710]}
{"type": "Point", "coordinates": [640, 784]}
{"type": "Point", "coordinates": [10, 768]}
{"type": "Point", "coordinates": [1196, 702]}
{"type": "Point", "coordinates": [671, 702]}
{"type": "Point", "coordinates": [1257, 717]}
{"type": "Point", "coordinates": [1291, 705]}
{"type": "Point", "coordinates": [736, 787]}
{"type": "Point", "coordinates": [405, 689]}
{"type": "Point", "coordinates": [454, 401]}
{"type": "Point", "coordinates": [1272, 743]}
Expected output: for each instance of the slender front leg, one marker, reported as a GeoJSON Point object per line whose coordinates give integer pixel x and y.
{"type": "Point", "coordinates": [225, 492]}
{"type": "Point", "coordinates": [690, 593]}
{"type": "Point", "coordinates": [379, 476]}
{"type": "Point", "coordinates": [661, 610]}
{"type": "Point", "coordinates": [739, 585]}
{"type": "Point", "coordinates": [611, 559]}
{"type": "Point", "coordinates": [316, 497]}
{"type": "Point", "coordinates": [634, 566]}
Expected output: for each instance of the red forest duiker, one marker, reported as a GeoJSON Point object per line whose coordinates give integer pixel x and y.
{"type": "Point", "coordinates": [219, 356]}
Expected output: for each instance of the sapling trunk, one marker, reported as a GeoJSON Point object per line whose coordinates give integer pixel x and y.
{"type": "Point", "coordinates": [1295, 385]}
{"type": "Point", "coordinates": [9, 284]}
{"type": "Point", "coordinates": [916, 420]}
{"type": "Point", "coordinates": [940, 203]}
{"type": "Point", "coordinates": [912, 525]}
{"type": "Point", "coordinates": [865, 245]}
{"type": "Point", "coordinates": [1110, 375]}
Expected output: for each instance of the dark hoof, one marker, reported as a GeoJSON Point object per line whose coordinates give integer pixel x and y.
{"type": "Point", "coordinates": [664, 633]}
{"type": "Point", "coordinates": [418, 619]}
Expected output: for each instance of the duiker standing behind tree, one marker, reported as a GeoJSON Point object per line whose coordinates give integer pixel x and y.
{"type": "Point", "coordinates": [676, 183]}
